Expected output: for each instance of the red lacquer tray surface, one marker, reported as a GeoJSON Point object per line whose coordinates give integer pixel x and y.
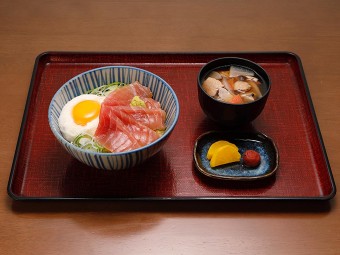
{"type": "Point", "coordinates": [43, 170]}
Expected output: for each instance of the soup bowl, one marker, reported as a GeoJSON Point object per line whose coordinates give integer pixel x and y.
{"type": "Point", "coordinates": [161, 90]}
{"type": "Point", "coordinates": [231, 114]}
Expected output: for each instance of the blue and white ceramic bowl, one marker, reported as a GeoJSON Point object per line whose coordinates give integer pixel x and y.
{"type": "Point", "coordinates": [83, 82]}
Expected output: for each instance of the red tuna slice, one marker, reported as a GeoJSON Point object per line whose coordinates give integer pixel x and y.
{"type": "Point", "coordinates": [152, 118]}
{"type": "Point", "coordinates": [124, 95]}
{"type": "Point", "coordinates": [151, 103]}
{"type": "Point", "coordinates": [117, 131]}
{"type": "Point", "coordinates": [113, 134]}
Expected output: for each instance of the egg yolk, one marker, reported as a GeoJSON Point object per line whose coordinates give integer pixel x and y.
{"type": "Point", "coordinates": [85, 111]}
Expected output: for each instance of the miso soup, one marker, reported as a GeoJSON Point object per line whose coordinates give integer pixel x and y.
{"type": "Point", "coordinates": [234, 84]}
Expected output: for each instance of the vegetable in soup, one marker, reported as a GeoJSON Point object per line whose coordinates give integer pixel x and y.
{"type": "Point", "coordinates": [233, 84]}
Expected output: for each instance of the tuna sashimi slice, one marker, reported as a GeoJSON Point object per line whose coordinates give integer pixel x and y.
{"type": "Point", "coordinates": [151, 103]}
{"type": "Point", "coordinates": [143, 134]}
{"type": "Point", "coordinates": [113, 134]}
{"type": "Point", "coordinates": [117, 131]}
{"type": "Point", "coordinates": [124, 95]}
{"type": "Point", "coordinates": [152, 118]}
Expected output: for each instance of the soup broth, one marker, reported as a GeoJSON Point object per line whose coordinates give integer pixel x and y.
{"type": "Point", "coordinates": [234, 84]}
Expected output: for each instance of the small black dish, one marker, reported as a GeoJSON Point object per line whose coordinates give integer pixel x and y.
{"type": "Point", "coordinates": [237, 171]}
{"type": "Point", "coordinates": [227, 114]}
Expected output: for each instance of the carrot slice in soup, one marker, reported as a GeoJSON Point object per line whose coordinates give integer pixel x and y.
{"type": "Point", "coordinates": [236, 100]}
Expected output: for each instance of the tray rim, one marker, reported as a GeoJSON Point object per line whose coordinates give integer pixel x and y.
{"type": "Point", "coordinates": [44, 54]}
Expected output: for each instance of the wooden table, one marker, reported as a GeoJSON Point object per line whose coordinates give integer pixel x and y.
{"type": "Point", "coordinates": [311, 29]}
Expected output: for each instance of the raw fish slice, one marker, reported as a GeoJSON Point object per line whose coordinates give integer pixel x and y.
{"type": "Point", "coordinates": [119, 132]}
{"type": "Point", "coordinates": [143, 134]}
{"type": "Point", "coordinates": [140, 90]}
{"type": "Point", "coordinates": [113, 134]}
{"type": "Point", "coordinates": [152, 118]}
{"type": "Point", "coordinates": [150, 103]}
{"type": "Point", "coordinates": [123, 127]}
{"type": "Point", "coordinates": [124, 95]}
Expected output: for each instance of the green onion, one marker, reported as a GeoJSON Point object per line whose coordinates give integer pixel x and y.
{"type": "Point", "coordinates": [106, 89]}
{"type": "Point", "coordinates": [86, 142]}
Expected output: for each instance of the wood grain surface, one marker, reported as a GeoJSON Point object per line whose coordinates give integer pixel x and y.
{"type": "Point", "coordinates": [310, 29]}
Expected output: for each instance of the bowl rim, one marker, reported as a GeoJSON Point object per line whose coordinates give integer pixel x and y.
{"type": "Point", "coordinates": [164, 136]}
{"type": "Point", "coordinates": [235, 58]}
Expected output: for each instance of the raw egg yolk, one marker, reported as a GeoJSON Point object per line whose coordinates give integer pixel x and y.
{"type": "Point", "coordinates": [85, 111]}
